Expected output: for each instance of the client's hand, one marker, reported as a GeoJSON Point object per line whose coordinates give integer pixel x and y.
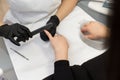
{"type": "Point", "coordinates": [60, 46]}
{"type": "Point", "coordinates": [95, 30]}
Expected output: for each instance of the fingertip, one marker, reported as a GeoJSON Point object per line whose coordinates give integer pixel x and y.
{"type": "Point", "coordinates": [48, 34]}
{"type": "Point", "coordinates": [18, 45]}
{"type": "Point", "coordinates": [86, 36]}
{"type": "Point", "coordinates": [45, 31]}
{"type": "Point", "coordinates": [89, 36]}
{"type": "Point", "coordinates": [83, 29]}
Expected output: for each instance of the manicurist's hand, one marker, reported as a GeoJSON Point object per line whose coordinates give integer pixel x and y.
{"type": "Point", "coordinates": [95, 30]}
{"type": "Point", "coordinates": [60, 46]}
{"type": "Point", "coordinates": [21, 32]}
{"type": "Point", "coordinates": [54, 21]}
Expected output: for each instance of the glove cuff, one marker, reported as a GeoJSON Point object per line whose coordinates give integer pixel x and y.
{"type": "Point", "coordinates": [3, 26]}
{"type": "Point", "coordinates": [2, 30]}
{"type": "Point", "coordinates": [55, 20]}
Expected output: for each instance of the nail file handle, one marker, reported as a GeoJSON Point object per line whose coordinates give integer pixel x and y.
{"type": "Point", "coordinates": [47, 26]}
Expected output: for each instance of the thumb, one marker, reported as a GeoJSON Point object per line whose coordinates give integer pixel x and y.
{"type": "Point", "coordinates": [13, 41]}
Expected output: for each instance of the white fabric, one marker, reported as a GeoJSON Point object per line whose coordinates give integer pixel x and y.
{"type": "Point", "coordinates": [41, 54]}
{"type": "Point", "coordinates": [29, 11]}
{"type": "Point", "coordinates": [98, 6]}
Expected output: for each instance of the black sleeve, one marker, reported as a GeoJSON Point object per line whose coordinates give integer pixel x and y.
{"type": "Point", "coordinates": [62, 71]}
{"type": "Point", "coordinates": [80, 73]}
{"type": "Point", "coordinates": [94, 69]}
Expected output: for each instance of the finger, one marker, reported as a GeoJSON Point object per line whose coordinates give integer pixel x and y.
{"type": "Point", "coordinates": [24, 34]}
{"type": "Point", "coordinates": [27, 31]}
{"type": "Point", "coordinates": [23, 37]}
{"type": "Point", "coordinates": [15, 34]}
{"type": "Point", "coordinates": [13, 41]}
{"type": "Point", "coordinates": [26, 37]}
{"type": "Point", "coordinates": [84, 29]}
{"type": "Point", "coordinates": [86, 24]}
{"type": "Point", "coordinates": [90, 36]}
{"type": "Point", "coordinates": [91, 22]}
{"type": "Point", "coordinates": [20, 31]}
{"type": "Point", "coordinates": [11, 38]}
{"type": "Point", "coordinates": [48, 34]}
{"type": "Point", "coordinates": [19, 39]}
{"type": "Point", "coordinates": [56, 34]}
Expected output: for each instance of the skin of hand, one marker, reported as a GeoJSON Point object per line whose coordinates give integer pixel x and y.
{"type": "Point", "coordinates": [1, 23]}
{"type": "Point", "coordinates": [65, 8]}
{"type": "Point", "coordinates": [95, 30]}
{"type": "Point", "coordinates": [60, 46]}
{"type": "Point", "coordinates": [3, 9]}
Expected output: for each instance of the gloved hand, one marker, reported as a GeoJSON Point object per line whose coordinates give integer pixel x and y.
{"type": "Point", "coordinates": [53, 20]}
{"type": "Point", "coordinates": [15, 30]}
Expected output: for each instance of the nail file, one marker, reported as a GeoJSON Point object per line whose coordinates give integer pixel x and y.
{"type": "Point", "coordinates": [41, 29]}
{"type": "Point", "coordinates": [46, 27]}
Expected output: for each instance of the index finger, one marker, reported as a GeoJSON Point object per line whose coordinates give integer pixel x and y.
{"type": "Point", "coordinates": [48, 34]}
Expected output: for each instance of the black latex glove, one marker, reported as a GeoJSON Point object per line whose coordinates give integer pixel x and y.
{"type": "Point", "coordinates": [55, 21]}
{"type": "Point", "coordinates": [15, 30]}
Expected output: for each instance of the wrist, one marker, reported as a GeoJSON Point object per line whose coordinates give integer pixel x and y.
{"type": "Point", "coordinates": [106, 33]}
{"type": "Point", "coordinates": [4, 30]}
{"type": "Point", "coordinates": [55, 20]}
{"type": "Point", "coordinates": [61, 56]}
{"type": "Point", "coordinates": [1, 23]}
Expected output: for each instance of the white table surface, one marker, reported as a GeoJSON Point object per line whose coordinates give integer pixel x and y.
{"type": "Point", "coordinates": [41, 54]}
